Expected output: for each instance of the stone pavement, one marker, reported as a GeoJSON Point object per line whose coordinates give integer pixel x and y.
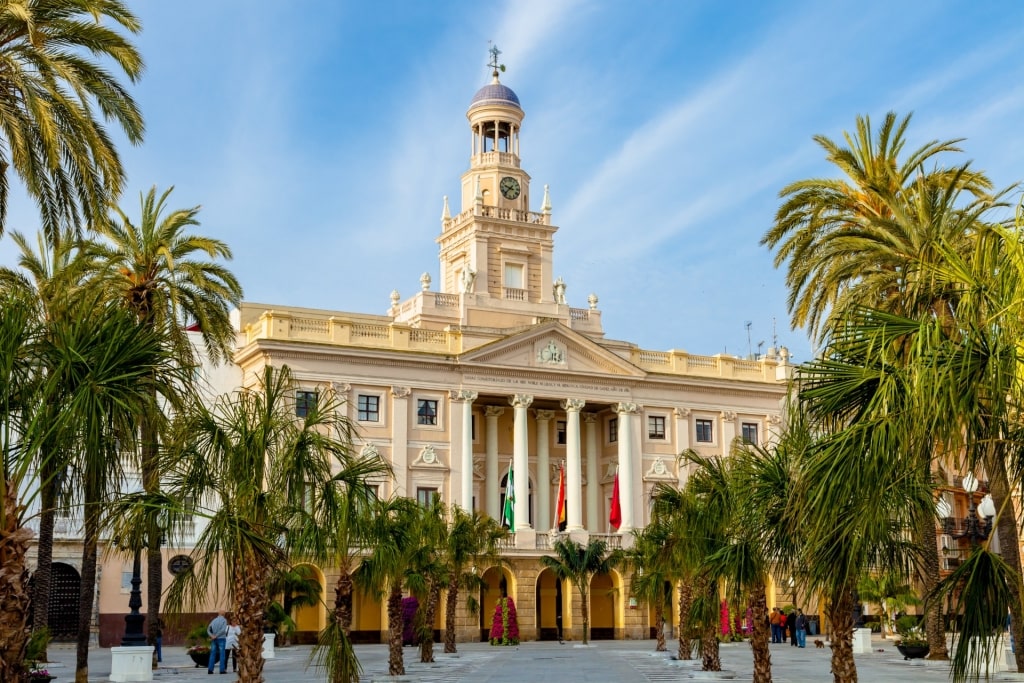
{"type": "Point", "coordinates": [603, 662]}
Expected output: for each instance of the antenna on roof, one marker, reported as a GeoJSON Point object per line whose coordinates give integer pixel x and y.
{"type": "Point", "coordinates": [495, 66]}
{"type": "Point", "coordinates": [750, 348]}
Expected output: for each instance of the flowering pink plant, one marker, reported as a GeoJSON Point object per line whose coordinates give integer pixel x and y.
{"type": "Point", "coordinates": [505, 625]}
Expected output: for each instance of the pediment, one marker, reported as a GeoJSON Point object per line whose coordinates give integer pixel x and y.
{"type": "Point", "coordinates": [552, 346]}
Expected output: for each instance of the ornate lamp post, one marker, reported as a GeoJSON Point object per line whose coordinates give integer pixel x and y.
{"type": "Point", "coordinates": [134, 635]}
{"type": "Point", "coordinates": [976, 528]}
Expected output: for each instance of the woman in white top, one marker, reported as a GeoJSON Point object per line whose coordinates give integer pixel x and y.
{"type": "Point", "coordinates": [231, 642]}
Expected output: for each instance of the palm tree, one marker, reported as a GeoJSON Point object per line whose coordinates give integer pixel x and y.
{"type": "Point", "coordinates": [335, 535]}
{"type": "Point", "coordinates": [847, 240]}
{"type": "Point", "coordinates": [429, 572]}
{"type": "Point", "coordinates": [298, 587]}
{"type": "Point", "coordinates": [579, 564]}
{"type": "Point", "coordinates": [57, 57]}
{"type": "Point", "coordinates": [152, 268]}
{"type": "Point", "coordinates": [891, 591]}
{"type": "Point", "coordinates": [472, 541]}
{"type": "Point", "coordinates": [255, 467]}
{"type": "Point", "coordinates": [393, 534]}
{"type": "Point", "coordinates": [20, 335]}
{"type": "Point", "coordinates": [104, 370]}
{"type": "Point", "coordinates": [651, 565]}
{"type": "Point", "coordinates": [51, 277]}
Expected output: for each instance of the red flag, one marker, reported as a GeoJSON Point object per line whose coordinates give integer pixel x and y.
{"type": "Point", "coordinates": [560, 520]}
{"type": "Point", "coordinates": [615, 516]}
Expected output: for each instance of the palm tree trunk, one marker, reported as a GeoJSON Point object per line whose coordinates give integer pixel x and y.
{"type": "Point", "coordinates": [685, 600]}
{"type": "Point", "coordinates": [929, 576]}
{"type": "Point", "coordinates": [585, 610]}
{"type": "Point", "coordinates": [343, 591]}
{"type": "Point", "coordinates": [760, 635]}
{"type": "Point", "coordinates": [659, 618]}
{"type": "Point", "coordinates": [710, 656]}
{"type": "Point", "coordinates": [840, 615]}
{"type": "Point", "coordinates": [14, 593]}
{"type": "Point", "coordinates": [44, 551]}
{"type": "Point", "coordinates": [1009, 542]}
{"type": "Point", "coordinates": [251, 601]}
{"type": "Point", "coordinates": [427, 643]}
{"type": "Point", "coordinates": [154, 560]}
{"type": "Point", "coordinates": [87, 594]}
{"type": "Point", "coordinates": [396, 664]}
{"type": "Point", "coordinates": [451, 602]}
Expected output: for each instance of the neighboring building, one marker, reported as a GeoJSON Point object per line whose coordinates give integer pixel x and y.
{"type": "Point", "coordinates": [495, 368]}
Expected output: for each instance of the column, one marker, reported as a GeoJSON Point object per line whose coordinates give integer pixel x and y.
{"type": "Point", "coordinates": [400, 438]}
{"type": "Point", "coordinates": [543, 467]}
{"type": "Point", "coordinates": [496, 124]}
{"type": "Point", "coordinates": [467, 398]}
{"type": "Point", "coordinates": [728, 431]}
{"type": "Point", "coordinates": [573, 464]}
{"type": "Point", "coordinates": [520, 461]}
{"type": "Point", "coordinates": [492, 478]}
{"type": "Point", "coordinates": [682, 416]}
{"type": "Point", "coordinates": [626, 412]}
{"type": "Point", "coordinates": [593, 486]}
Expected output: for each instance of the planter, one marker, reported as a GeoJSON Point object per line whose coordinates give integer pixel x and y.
{"type": "Point", "coordinates": [200, 658]}
{"type": "Point", "coordinates": [41, 679]}
{"type": "Point", "coordinates": [913, 651]}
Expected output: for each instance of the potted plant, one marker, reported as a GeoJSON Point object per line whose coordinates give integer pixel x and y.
{"type": "Point", "coordinates": [198, 645]}
{"type": "Point", "coordinates": [912, 643]}
{"type": "Point", "coordinates": [36, 675]}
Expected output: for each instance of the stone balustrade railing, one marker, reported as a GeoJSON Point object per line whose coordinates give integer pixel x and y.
{"type": "Point", "coordinates": [373, 333]}
{"type": "Point", "coordinates": [502, 158]}
{"type": "Point", "coordinates": [487, 211]}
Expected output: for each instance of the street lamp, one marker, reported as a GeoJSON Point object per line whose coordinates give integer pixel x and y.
{"type": "Point", "coordinates": [975, 528]}
{"type": "Point", "coordinates": [134, 636]}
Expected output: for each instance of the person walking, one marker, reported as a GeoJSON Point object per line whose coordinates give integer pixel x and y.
{"type": "Point", "coordinates": [791, 624]}
{"type": "Point", "coordinates": [217, 630]}
{"type": "Point", "coordinates": [801, 628]}
{"type": "Point", "coordinates": [774, 622]}
{"type": "Point", "coordinates": [231, 642]}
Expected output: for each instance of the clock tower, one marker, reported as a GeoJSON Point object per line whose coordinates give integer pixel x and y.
{"type": "Point", "coordinates": [495, 246]}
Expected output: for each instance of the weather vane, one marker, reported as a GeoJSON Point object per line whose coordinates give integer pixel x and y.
{"type": "Point", "coordinates": [494, 59]}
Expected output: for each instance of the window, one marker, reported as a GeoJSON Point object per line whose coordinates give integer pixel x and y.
{"type": "Point", "coordinates": [305, 401]}
{"type": "Point", "coordinates": [704, 432]}
{"type": "Point", "coordinates": [472, 427]}
{"type": "Point", "coordinates": [126, 581]}
{"type": "Point", "coordinates": [613, 430]}
{"type": "Point", "coordinates": [369, 408]}
{"type": "Point", "coordinates": [750, 433]}
{"type": "Point", "coordinates": [656, 427]}
{"type": "Point", "coordinates": [514, 275]}
{"type": "Point", "coordinates": [179, 564]}
{"type": "Point", "coordinates": [560, 432]}
{"type": "Point", "coordinates": [426, 411]}
{"type": "Point", "coordinates": [426, 496]}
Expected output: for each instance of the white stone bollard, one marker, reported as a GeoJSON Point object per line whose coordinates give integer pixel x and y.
{"type": "Point", "coordinates": [861, 641]}
{"type": "Point", "coordinates": [131, 663]}
{"type": "Point", "coordinates": [268, 645]}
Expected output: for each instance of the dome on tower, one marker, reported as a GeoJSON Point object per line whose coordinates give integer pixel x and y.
{"type": "Point", "coordinates": [495, 93]}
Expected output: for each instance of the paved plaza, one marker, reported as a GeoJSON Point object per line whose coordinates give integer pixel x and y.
{"type": "Point", "coordinates": [602, 662]}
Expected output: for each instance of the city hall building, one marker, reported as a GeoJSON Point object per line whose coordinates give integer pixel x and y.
{"type": "Point", "coordinates": [491, 367]}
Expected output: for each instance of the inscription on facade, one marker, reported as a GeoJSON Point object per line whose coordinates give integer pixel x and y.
{"type": "Point", "coordinates": [518, 381]}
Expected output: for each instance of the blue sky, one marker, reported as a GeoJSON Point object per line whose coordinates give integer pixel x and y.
{"type": "Point", "coordinates": [320, 136]}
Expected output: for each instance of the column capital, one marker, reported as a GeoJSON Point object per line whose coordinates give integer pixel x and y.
{"type": "Point", "coordinates": [462, 395]}
{"type": "Point", "coordinates": [341, 388]}
{"type": "Point", "coordinates": [625, 408]}
{"type": "Point", "coordinates": [544, 415]}
{"type": "Point", "coordinates": [401, 392]}
{"type": "Point", "coordinates": [520, 400]}
{"type": "Point", "coordinates": [728, 415]}
{"type": "Point", "coordinates": [573, 405]}
{"type": "Point", "coordinates": [589, 417]}
{"type": "Point", "coordinates": [773, 419]}
{"type": "Point", "coordinates": [682, 412]}
{"type": "Point", "coordinates": [494, 411]}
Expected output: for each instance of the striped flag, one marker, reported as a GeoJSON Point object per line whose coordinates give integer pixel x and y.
{"type": "Point", "coordinates": [560, 520]}
{"type": "Point", "coordinates": [508, 513]}
{"type": "Point", "coordinates": [615, 516]}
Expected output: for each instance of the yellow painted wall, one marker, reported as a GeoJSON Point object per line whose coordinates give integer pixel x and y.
{"type": "Point", "coordinates": [602, 602]}
{"type": "Point", "coordinates": [367, 612]}
{"type": "Point", "coordinates": [547, 591]}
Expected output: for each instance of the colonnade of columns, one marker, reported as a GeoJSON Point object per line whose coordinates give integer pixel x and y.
{"type": "Point", "coordinates": [498, 130]}
{"type": "Point", "coordinates": [574, 441]}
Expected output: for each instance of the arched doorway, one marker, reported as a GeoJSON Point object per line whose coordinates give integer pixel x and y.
{"type": "Point", "coordinates": [310, 618]}
{"type": "Point", "coordinates": [602, 607]}
{"type": "Point", "coordinates": [550, 607]}
{"type": "Point", "coordinates": [368, 623]}
{"type": "Point", "coordinates": [497, 583]}
{"type": "Point", "coordinates": [529, 501]}
{"type": "Point", "coordinates": [62, 612]}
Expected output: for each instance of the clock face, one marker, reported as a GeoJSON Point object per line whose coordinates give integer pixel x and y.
{"type": "Point", "coordinates": [509, 187]}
